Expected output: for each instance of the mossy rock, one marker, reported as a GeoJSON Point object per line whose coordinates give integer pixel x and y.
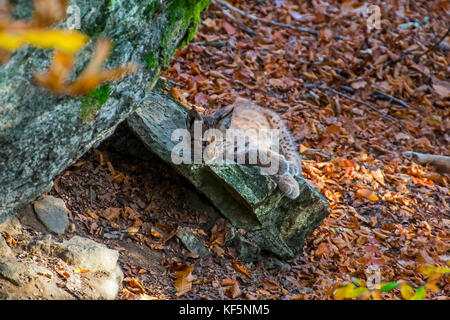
{"type": "Point", "coordinates": [251, 201]}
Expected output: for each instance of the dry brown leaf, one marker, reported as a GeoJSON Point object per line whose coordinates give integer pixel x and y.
{"type": "Point", "coordinates": [232, 291]}
{"type": "Point", "coordinates": [91, 214]}
{"type": "Point", "coordinates": [183, 281]}
{"type": "Point", "coordinates": [271, 286]}
{"type": "Point", "coordinates": [111, 213]}
{"type": "Point", "coordinates": [366, 194]}
{"type": "Point", "coordinates": [322, 249]}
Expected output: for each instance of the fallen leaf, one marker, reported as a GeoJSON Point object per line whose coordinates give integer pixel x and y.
{"type": "Point", "coordinates": [242, 270]}
{"type": "Point", "coordinates": [111, 213]}
{"type": "Point", "coordinates": [183, 281]}
{"type": "Point", "coordinates": [322, 249]}
{"type": "Point", "coordinates": [366, 194]}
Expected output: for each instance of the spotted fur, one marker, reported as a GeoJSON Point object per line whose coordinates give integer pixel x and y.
{"type": "Point", "coordinates": [249, 120]}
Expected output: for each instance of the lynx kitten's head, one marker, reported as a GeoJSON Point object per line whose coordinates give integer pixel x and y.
{"type": "Point", "coordinates": [219, 120]}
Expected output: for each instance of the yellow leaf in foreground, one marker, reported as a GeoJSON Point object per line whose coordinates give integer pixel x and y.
{"type": "Point", "coordinates": [64, 40]}
{"type": "Point", "coordinates": [407, 292]}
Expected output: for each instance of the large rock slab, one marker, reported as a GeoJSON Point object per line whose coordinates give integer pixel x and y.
{"type": "Point", "coordinates": [248, 199]}
{"type": "Point", "coordinates": [42, 134]}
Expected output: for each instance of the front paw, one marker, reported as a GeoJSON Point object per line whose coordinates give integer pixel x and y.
{"type": "Point", "coordinates": [295, 168]}
{"type": "Point", "coordinates": [289, 186]}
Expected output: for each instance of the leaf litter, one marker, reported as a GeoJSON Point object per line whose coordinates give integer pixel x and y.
{"type": "Point", "coordinates": [389, 213]}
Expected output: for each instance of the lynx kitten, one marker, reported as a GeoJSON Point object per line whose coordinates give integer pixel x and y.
{"type": "Point", "coordinates": [250, 121]}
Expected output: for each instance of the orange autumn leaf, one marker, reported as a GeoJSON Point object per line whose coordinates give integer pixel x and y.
{"type": "Point", "coordinates": [183, 281]}
{"type": "Point", "coordinates": [366, 194]}
{"type": "Point", "coordinates": [56, 77]}
{"type": "Point", "coordinates": [270, 285]}
{"type": "Point", "coordinates": [423, 182]}
{"type": "Point", "coordinates": [227, 282]}
{"type": "Point", "coordinates": [10, 241]}
{"type": "Point", "coordinates": [322, 249]}
{"type": "Point", "coordinates": [333, 129]}
{"type": "Point", "coordinates": [93, 75]}
{"type": "Point", "coordinates": [91, 214]}
{"type": "Point", "coordinates": [242, 270]}
{"type": "Point", "coordinates": [111, 213]}
{"type": "Point", "coordinates": [232, 291]}
{"type": "Point", "coordinates": [47, 12]}
{"type": "Point", "coordinates": [64, 274]}
{"type": "Point", "coordinates": [135, 284]}
{"type": "Point", "coordinates": [432, 286]}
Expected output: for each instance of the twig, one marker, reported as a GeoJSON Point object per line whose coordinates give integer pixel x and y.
{"type": "Point", "coordinates": [215, 44]}
{"type": "Point", "coordinates": [434, 46]}
{"type": "Point", "coordinates": [239, 23]}
{"type": "Point", "coordinates": [174, 83]}
{"type": "Point", "coordinates": [381, 94]}
{"type": "Point", "coordinates": [368, 105]}
{"type": "Point", "coordinates": [274, 23]}
{"type": "Point", "coordinates": [319, 152]}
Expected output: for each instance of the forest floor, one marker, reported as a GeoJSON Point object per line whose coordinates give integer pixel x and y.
{"type": "Point", "coordinates": [390, 216]}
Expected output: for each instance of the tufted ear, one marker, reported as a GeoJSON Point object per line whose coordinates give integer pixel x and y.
{"type": "Point", "coordinates": [223, 114]}
{"type": "Point", "coordinates": [191, 117]}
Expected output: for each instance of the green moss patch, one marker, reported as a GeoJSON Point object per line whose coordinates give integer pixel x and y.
{"type": "Point", "coordinates": [151, 60]}
{"type": "Point", "coordinates": [183, 17]}
{"type": "Point", "coordinates": [92, 102]}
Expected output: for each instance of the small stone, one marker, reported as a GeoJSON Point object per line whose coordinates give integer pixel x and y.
{"type": "Point", "coordinates": [191, 242]}
{"type": "Point", "coordinates": [12, 226]}
{"type": "Point", "coordinates": [5, 250]}
{"type": "Point", "coordinates": [88, 254]}
{"type": "Point", "coordinates": [9, 274]}
{"type": "Point", "coordinates": [52, 212]}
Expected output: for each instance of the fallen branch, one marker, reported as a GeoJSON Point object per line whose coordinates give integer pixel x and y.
{"type": "Point", "coordinates": [442, 163]}
{"type": "Point", "coordinates": [383, 95]}
{"type": "Point", "coordinates": [434, 46]}
{"type": "Point", "coordinates": [215, 44]}
{"type": "Point", "coordinates": [174, 83]}
{"type": "Point", "coordinates": [368, 105]}
{"type": "Point", "coordinates": [274, 23]}
{"type": "Point", "coordinates": [241, 25]}
{"type": "Point", "coordinates": [316, 152]}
